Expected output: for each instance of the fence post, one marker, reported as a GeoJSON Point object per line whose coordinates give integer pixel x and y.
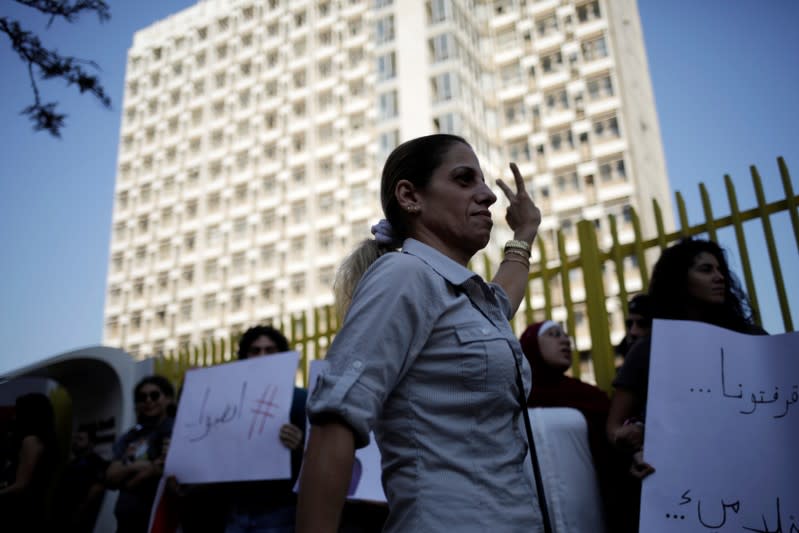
{"type": "Point", "coordinates": [596, 310]}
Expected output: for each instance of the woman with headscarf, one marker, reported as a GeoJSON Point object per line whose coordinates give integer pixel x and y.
{"type": "Point", "coordinates": [568, 418]}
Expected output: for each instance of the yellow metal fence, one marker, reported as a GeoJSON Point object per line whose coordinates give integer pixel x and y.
{"type": "Point", "coordinates": [601, 266]}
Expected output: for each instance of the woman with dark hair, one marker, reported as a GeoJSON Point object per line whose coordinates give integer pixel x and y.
{"type": "Point", "coordinates": [426, 357]}
{"type": "Point", "coordinates": [138, 456]}
{"type": "Point", "coordinates": [690, 281]}
{"type": "Point", "coordinates": [269, 506]}
{"type": "Point", "coordinates": [33, 445]}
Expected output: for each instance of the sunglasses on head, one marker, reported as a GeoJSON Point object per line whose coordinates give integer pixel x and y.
{"type": "Point", "coordinates": [154, 396]}
{"type": "Point", "coordinates": [642, 322]}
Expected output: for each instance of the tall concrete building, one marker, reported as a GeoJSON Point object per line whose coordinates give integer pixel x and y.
{"type": "Point", "coordinates": [254, 132]}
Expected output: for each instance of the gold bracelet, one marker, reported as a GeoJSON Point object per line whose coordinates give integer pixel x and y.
{"type": "Point", "coordinates": [517, 252]}
{"type": "Point", "coordinates": [520, 261]}
{"type": "Point", "coordinates": [520, 245]}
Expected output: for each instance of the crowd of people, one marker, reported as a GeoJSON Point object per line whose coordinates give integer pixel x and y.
{"type": "Point", "coordinates": [478, 430]}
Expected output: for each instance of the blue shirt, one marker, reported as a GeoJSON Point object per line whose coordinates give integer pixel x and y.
{"type": "Point", "coordinates": [426, 358]}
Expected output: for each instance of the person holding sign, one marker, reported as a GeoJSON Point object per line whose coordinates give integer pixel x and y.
{"type": "Point", "coordinates": [690, 281]}
{"type": "Point", "coordinates": [426, 357]}
{"type": "Point", "coordinates": [269, 506]}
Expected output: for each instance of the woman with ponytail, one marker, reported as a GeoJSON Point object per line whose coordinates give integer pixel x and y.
{"type": "Point", "coordinates": [426, 357]}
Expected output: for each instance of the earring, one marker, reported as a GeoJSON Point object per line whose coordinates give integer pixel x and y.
{"type": "Point", "coordinates": [412, 208]}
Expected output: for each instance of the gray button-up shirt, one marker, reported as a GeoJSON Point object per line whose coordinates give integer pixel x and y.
{"type": "Point", "coordinates": [426, 358]}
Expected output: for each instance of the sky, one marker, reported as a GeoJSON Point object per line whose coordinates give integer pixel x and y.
{"type": "Point", "coordinates": [725, 75]}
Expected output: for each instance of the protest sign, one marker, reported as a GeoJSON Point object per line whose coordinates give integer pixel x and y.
{"type": "Point", "coordinates": [365, 483]}
{"type": "Point", "coordinates": [229, 419]}
{"type": "Point", "coordinates": [722, 425]}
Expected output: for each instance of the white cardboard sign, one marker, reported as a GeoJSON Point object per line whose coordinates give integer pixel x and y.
{"type": "Point", "coordinates": [229, 419]}
{"type": "Point", "coordinates": [722, 430]}
{"type": "Point", "coordinates": [366, 475]}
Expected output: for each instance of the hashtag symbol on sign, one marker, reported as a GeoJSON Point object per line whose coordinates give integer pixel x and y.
{"type": "Point", "coordinates": [263, 409]}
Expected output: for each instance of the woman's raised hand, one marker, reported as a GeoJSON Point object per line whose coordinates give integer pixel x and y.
{"type": "Point", "coordinates": [523, 216]}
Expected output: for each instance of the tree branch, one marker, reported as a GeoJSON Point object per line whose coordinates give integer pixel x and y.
{"type": "Point", "coordinates": [50, 64]}
{"type": "Point", "coordinates": [70, 12]}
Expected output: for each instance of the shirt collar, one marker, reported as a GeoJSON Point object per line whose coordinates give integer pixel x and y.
{"type": "Point", "coordinates": [443, 265]}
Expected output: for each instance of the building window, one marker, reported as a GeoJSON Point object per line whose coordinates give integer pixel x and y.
{"type": "Point", "coordinates": [270, 120]}
{"type": "Point", "coordinates": [112, 326]}
{"type": "Point", "coordinates": [298, 212]}
{"type": "Point", "coordinates": [325, 133]}
{"type": "Point", "coordinates": [189, 241]}
{"type": "Point", "coordinates": [298, 175]}
{"type": "Point", "coordinates": [552, 62]}
{"type": "Point", "coordinates": [568, 182]}
{"type": "Point", "coordinates": [438, 11]}
{"type": "Point", "coordinates": [213, 235]}
{"type": "Point", "coordinates": [298, 108]}
{"type": "Point", "coordinates": [326, 277]}
{"type": "Point", "coordinates": [298, 142]}
{"type": "Point", "coordinates": [510, 74]}
{"type": "Point", "coordinates": [267, 255]}
{"type": "Point", "coordinates": [209, 305]}
{"type": "Point", "coordinates": [135, 322]}
{"type": "Point", "coordinates": [607, 129]}
{"type": "Point", "coordinates": [561, 141]}
{"type": "Point", "coordinates": [359, 230]}
{"type": "Point", "coordinates": [237, 299]}
{"type": "Point", "coordinates": [355, 56]}
{"type": "Point", "coordinates": [547, 25]}
{"type": "Point", "coordinates": [138, 288]}
{"type": "Point", "coordinates": [588, 11]}
{"type": "Point", "coordinates": [325, 100]}
{"type": "Point", "coordinates": [354, 27]}
{"type": "Point", "coordinates": [594, 49]}
{"type": "Point", "coordinates": [600, 87]}
{"type": "Point", "coordinates": [268, 220]}
{"type": "Point", "coordinates": [187, 276]}
{"type": "Point", "coordinates": [266, 292]}
{"type": "Point", "coordinates": [211, 270]}
{"type": "Point", "coordinates": [358, 196]}
{"type": "Point", "coordinates": [240, 229]}
{"type": "Point", "coordinates": [326, 239]}
{"type": "Point", "coordinates": [519, 151]}
{"type": "Point", "coordinates": [611, 171]}
{"type": "Point", "coordinates": [120, 229]}
{"type": "Point", "coordinates": [117, 262]}
{"type": "Point", "coordinates": [557, 100]}
{"type": "Point", "coordinates": [326, 202]}
{"type": "Point", "coordinates": [239, 264]}
{"type": "Point", "coordinates": [514, 112]}
{"type": "Point", "coordinates": [114, 295]}
{"type": "Point", "coordinates": [384, 29]}
{"type": "Point", "coordinates": [387, 142]}
{"type": "Point", "coordinates": [325, 68]}
{"type": "Point", "coordinates": [140, 256]}
{"type": "Point", "coordinates": [299, 47]}
{"type": "Point", "coordinates": [185, 310]}
{"type": "Point", "coordinates": [162, 282]}
{"type": "Point", "coordinates": [386, 66]}
{"type": "Point", "coordinates": [444, 87]}
{"type": "Point", "coordinates": [298, 245]}
{"type": "Point", "coordinates": [164, 250]}
{"type": "Point", "coordinates": [387, 105]}
{"type": "Point", "coordinates": [297, 283]}
{"type": "Point", "coordinates": [442, 47]}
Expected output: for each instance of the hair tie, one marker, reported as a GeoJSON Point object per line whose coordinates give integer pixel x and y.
{"type": "Point", "coordinates": [384, 233]}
